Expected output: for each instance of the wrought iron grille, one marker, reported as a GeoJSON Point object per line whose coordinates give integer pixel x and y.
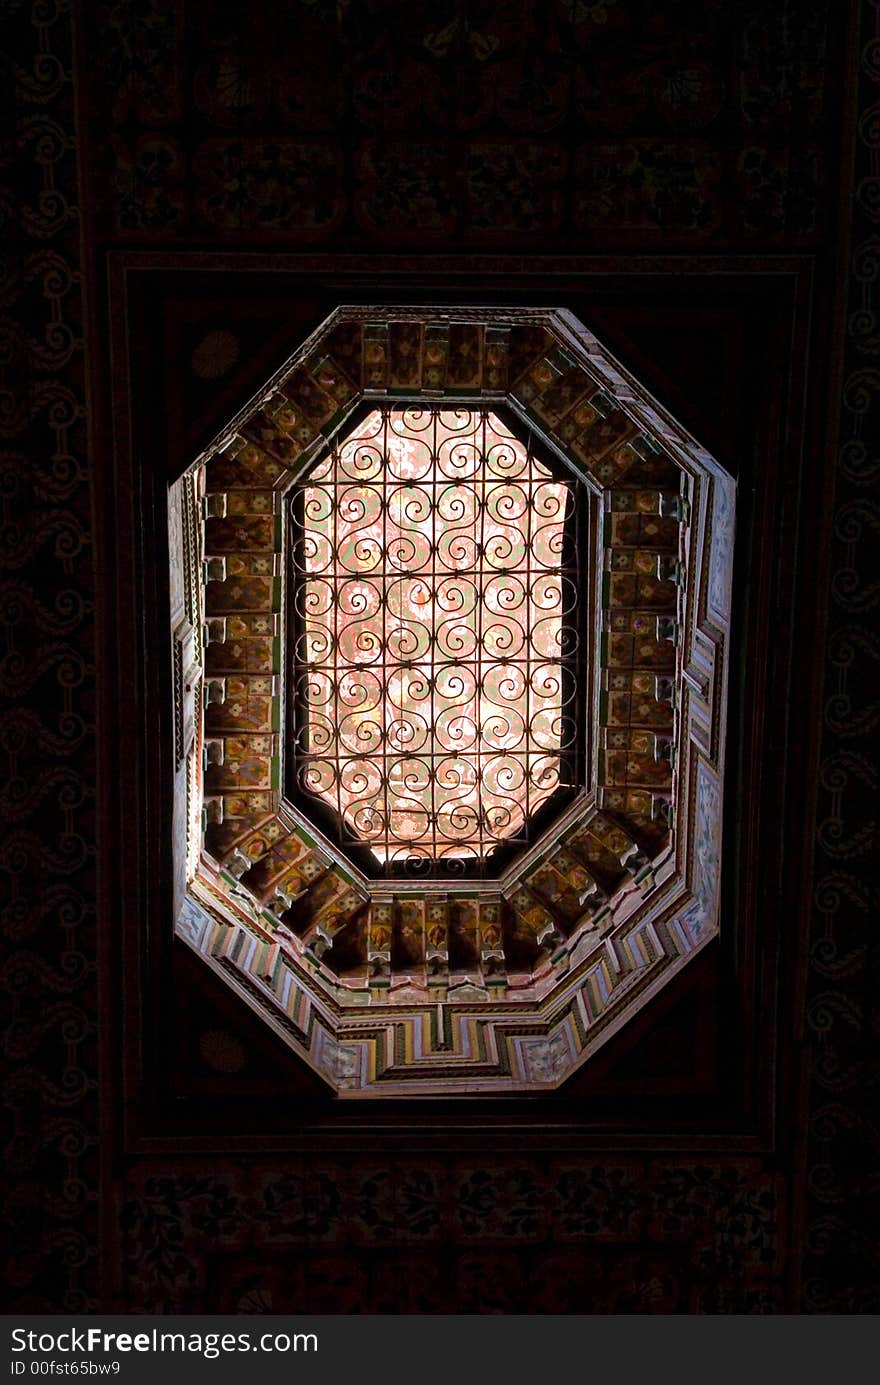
{"type": "Point", "coordinates": [436, 642]}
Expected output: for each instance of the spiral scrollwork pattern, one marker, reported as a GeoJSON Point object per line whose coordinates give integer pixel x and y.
{"type": "Point", "coordinates": [435, 638]}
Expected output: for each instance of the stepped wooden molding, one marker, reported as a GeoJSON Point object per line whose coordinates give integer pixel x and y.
{"type": "Point", "coordinates": [504, 980]}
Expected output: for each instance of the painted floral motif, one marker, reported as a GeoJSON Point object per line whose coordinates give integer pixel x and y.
{"type": "Point", "coordinates": [546, 1059]}
{"type": "Point", "coordinates": [699, 915]}
{"type": "Point", "coordinates": [270, 184]}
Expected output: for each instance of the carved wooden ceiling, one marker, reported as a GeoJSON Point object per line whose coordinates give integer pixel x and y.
{"type": "Point", "coordinates": [453, 980]}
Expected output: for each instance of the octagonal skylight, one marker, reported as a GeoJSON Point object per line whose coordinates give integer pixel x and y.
{"type": "Point", "coordinates": [450, 621]}
{"type": "Point", "coordinates": [435, 639]}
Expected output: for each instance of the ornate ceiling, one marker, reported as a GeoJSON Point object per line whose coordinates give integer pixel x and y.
{"type": "Point", "coordinates": [461, 983]}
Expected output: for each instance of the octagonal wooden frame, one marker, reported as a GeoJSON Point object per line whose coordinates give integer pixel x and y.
{"type": "Point", "coordinates": [642, 861]}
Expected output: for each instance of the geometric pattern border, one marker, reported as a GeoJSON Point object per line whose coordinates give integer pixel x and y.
{"type": "Point", "coordinates": [505, 985]}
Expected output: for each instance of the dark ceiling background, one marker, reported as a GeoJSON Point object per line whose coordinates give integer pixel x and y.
{"type": "Point", "coordinates": [190, 187]}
